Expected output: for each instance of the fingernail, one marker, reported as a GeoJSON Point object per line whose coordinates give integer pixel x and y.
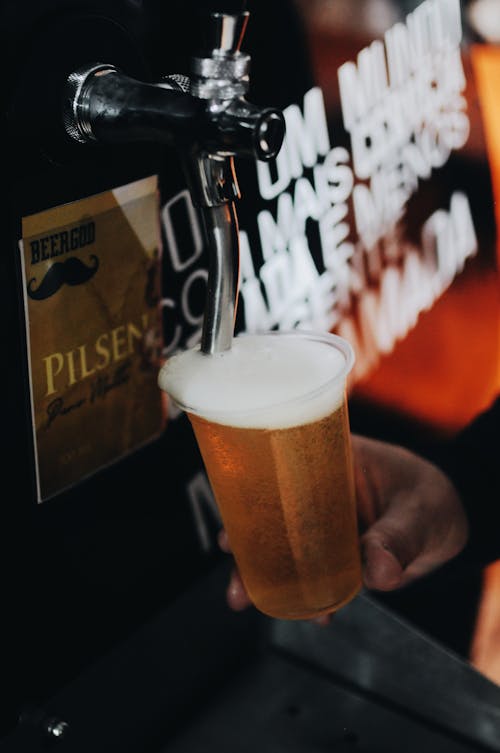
{"type": "Point", "coordinates": [381, 568]}
{"type": "Point", "coordinates": [234, 590]}
{"type": "Point", "coordinates": [222, 541]}
{"type": "Point", "coordinates": [323, 621]}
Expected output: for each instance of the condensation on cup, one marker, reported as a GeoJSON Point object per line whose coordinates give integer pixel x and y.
{"type": "Point", "coordinates": [271, 420]}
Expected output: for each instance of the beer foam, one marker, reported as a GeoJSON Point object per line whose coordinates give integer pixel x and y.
{"type": "Point", "coordinates": [264, 381]}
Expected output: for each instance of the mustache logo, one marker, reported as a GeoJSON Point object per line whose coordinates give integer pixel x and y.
{"type": "Point", "coordinates": [70, 272]}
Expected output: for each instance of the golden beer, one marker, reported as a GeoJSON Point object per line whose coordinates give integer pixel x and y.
{"type": "Point", "coordinates": [279, 463]}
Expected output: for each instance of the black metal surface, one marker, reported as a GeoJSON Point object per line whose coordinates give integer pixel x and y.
{"type": "Point", "coordinates": [368, 682]}
{"type": "Point", "coordinates": [278, 707]}
{"type": "Point", "coordinates": [201, 679]}
{"type": "Point", "coordinates": [147, 686]}
{"type": "Point", "coordinates": [369, 648]}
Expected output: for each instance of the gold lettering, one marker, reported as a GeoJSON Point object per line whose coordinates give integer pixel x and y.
{"type": "Point", "coordinates": [70, 359]}
{"type": "Point", "coordinates": [52, 370]}
{"type": "Point", "coordinates": [80, 363]}
{"type": "Point", "coordinates": [119, 343]}
{"type": "Point", "coordinates": [86, 372]}
{"type": "Point", "coordinates": [102, 350]}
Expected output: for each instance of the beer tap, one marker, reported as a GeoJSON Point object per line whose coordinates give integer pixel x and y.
{"type": "Point", "coordinates": [206, 116]}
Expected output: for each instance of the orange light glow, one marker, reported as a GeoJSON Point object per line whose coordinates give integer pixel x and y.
{"type": "Point", "coordinates": [446, 370]}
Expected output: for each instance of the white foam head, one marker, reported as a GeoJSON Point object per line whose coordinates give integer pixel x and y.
{"type": "Point", "coordinates": [274, 380]}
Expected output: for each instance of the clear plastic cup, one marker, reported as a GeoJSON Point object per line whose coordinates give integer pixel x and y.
{"type": "Point", "coordinates": [271, 420]}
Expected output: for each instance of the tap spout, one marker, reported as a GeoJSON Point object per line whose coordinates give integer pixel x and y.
{"type": "Point", "coordinates": [220, 78]}
{"type": "Point", "coordinates": [221, 229]}
{"type": "Point", "coordinates": [214, 189]}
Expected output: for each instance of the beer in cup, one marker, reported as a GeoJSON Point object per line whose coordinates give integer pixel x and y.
{"type": "Point", "coordinates": [271, 420]}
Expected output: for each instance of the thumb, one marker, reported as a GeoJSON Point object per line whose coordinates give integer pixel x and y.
{"type": "Point", "coordinates": [382, 570]}
{"type": "Point", "coordinates": [388, 548]}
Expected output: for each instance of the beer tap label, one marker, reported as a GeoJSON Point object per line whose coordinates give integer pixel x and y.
{"type": "Point", "coordinates": [91, 292]}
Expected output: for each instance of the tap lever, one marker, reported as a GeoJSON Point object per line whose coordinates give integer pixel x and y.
{"type": "Point", "coordinates": [221, 71]}
{"type": "Point", "coordinates": [224, 34]}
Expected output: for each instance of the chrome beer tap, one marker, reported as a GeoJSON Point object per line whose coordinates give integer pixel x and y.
{"type": "Point", "coordinates": [206, 116]}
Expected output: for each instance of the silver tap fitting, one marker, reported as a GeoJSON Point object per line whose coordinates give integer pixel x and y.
{"type": "Point", "coordinates": [207, 118]}
{"type": "Point", "coordinates": [223, 72]}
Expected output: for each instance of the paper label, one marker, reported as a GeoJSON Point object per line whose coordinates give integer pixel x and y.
{"type": "Point", "coordinates": [91, 290]}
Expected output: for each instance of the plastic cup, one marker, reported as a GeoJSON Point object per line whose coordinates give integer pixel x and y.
{"type": "Point", "coordinates": [271, 420]}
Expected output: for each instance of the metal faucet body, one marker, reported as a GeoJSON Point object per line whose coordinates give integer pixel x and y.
{"type": "Point", "coordinates": [206, 116]}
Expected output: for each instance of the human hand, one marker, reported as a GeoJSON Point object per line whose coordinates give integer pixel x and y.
{"type": "Point", "coordinates": [410, 516]}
